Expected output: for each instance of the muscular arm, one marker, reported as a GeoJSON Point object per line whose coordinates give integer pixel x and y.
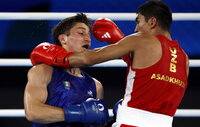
{"type": "Point", "coordinates": [113, 51]}
{"type": "Point", "coordinates": [36, 94]}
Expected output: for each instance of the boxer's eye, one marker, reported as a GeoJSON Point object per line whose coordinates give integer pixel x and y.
{"type": "Point", "coordinates": [85, 46]}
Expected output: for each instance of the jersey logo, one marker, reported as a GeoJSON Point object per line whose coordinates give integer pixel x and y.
{"type": "Point", "coordinates": [67, 85]}
{"type": "Point", "coordinates": [173, 63]}
{"type": "Point", "coordinates": [106, 35]}
{"type": "Point", "coordinates": [90, 93]}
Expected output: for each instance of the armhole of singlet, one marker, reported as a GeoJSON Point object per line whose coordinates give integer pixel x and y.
{"type": "Point", "coordinates": [91, 79]}
{"type": "Point", "coordinates": [95, 88]}
{"type": "Point", "coordinates": [184, 60]}
{"type": "Point", "coordinates": [52, 77]}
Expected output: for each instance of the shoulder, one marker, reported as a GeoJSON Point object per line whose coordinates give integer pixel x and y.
{"type": "Point", "coordinates": [99, 88]}
{"type": "Point", "coordinates": [40, 72]}
{"type": "Point", "coordinates": [141, 39]}
{"type": "Point", "coordinates": [97, 82]}
{"type": "Point", "coordinates": [41, 68]}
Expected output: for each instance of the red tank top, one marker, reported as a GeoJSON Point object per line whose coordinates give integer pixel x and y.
{"type": "Point", "coordinates": [160, 87]}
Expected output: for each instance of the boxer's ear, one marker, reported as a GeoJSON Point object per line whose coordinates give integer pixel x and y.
{"type": "Point", "coordinates": [152, 22]}
{"type": "Point", "coordinates": [62, 38]}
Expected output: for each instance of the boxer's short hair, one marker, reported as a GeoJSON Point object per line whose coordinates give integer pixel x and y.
{"type": "Point", "coordinates": [159, 10]}
{"type": "Point", "coordinates": [64, 26]}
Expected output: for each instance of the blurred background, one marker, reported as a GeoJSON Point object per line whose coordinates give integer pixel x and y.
{"type": "Point", "coordinates": [18, 38]}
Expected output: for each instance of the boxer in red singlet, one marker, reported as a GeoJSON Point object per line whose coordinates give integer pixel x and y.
{"type": "Point", "coordinates": [157, 66]}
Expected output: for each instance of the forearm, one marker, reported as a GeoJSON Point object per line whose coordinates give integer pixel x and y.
{"type": "Point", "coordinates": [45, 114]}
{"type": "Point", "coordinates": [86, 58]}
{"type": "Point", "coordinates": [82, 59]}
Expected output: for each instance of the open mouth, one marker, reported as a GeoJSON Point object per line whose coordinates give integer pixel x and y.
{"type": "Point", "coordinates": [85, 46]}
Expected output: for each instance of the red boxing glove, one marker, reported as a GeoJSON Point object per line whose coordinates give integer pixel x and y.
{"type": "Point", "coordinates": [104, 29]}
{"type": "Point", "coordinates": [50, 54]}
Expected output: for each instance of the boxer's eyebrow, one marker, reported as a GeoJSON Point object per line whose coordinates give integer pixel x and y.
{"type": "Point", "coordinates": [81, 28]}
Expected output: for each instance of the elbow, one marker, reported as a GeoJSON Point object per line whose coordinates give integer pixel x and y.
{"type": "Point", "coordinates": [31, 115]}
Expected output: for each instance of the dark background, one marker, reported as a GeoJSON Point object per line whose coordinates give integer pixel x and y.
{"type": "Point", "coordinates": [18, 38]}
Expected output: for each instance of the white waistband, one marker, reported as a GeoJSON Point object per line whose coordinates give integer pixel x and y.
{"type": "Point", "coordinates": [141, 118]}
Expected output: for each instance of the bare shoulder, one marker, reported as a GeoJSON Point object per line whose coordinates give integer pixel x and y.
{"type": "Point", "coordinates": [99, 88]}
{"type": "Point", "coordinates": [142, 37]}
{"type": "Point", "coordinates": [41, 68]}
{"type": "Point", "coordinates": [147, 38]}
{"type": "Point", "coordinates": [40, 72]}
{"type": "Point", "coordinates": [139, 40]}
{"type": "Point", "coordinates": [97, 82]}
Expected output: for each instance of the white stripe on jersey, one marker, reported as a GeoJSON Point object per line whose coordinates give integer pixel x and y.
{"type": "Point", "coordinates": [129, 86]}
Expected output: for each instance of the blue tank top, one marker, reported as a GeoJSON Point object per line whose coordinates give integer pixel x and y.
{"type": "Point", "coordinates": [66, 89]}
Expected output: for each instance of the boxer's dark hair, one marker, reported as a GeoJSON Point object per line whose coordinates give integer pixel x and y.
{"type": "Point", "coordinates": [64, 26]}
{"type": "Point", "coordinates": [159, 10]}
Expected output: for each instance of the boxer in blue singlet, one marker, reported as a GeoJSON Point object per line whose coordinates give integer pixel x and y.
{"type": "Point", "coordinates": [61, 97]}
{"type": "Point", "coordinates": [66, 89]}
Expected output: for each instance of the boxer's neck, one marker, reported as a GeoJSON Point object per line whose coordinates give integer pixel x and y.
{"type": "Point", "coordinates": [75, 72]}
